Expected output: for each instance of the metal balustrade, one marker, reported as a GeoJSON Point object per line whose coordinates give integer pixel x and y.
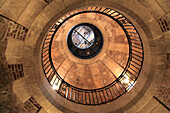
{"type": "Point", "coordinates": [106, 94]}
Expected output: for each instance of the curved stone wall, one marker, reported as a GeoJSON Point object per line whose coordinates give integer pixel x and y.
{"type": "Point", "coordinates": [38, 16]}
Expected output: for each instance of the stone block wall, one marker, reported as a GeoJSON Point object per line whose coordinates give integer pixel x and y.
{"type": "Point", "coordinates": [4, 73]}
{"type": "Point", "coordinates": [163, 24]}
{"type": "Point", "coordinates": [166, 78]}
{"type": "Point", "coordinates": [11, 29]}
{"type": "Point", "coordinates": [163, 95]}
{"type": "Point", "coordinates": [32, 106]}
{"type": "Point", "coordinates": [16, 70]}
{"type": "Point", "coordinates": [11, 72]}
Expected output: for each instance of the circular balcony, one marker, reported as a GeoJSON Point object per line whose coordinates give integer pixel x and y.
{"type": "Point", "coordinates": [80, 83]}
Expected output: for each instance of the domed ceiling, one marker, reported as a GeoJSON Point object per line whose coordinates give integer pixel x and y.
{"type": "Point", "coordinates": [84, 61]}
{"type": "Point", "coordinates": [95, 73]}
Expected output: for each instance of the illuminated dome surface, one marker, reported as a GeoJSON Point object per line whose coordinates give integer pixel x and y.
{"type": "Point", "coordinates": [95, 74]}
{"type": "Point", "coordinates": [84, 61]}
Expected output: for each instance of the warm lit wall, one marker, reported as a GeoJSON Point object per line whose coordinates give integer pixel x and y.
{"type": "Point", "coordinates": [21, 26]}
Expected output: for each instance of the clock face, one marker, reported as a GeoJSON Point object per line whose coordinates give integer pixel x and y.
{"type": "Point", "coordinates": [83, 37]}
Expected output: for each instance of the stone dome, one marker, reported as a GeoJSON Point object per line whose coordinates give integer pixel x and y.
{"type": "Point", "coordinates": [25, 86]}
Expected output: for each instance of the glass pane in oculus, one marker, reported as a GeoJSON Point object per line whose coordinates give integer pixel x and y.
{"type": "Point", "coordinates": [83, 37]}
{"type": "Point", "coordinates": [85, 40]}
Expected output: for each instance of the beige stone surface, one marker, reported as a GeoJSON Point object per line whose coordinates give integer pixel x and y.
{"type": "Point", "coordinates": [1, 3]}
{"type": "Point", "coordinates": [160, 109]}
{"type": "Point", "coordinates": [145, 98]}
{"type": "Point", "coordinates": [13, 8]}
{"type": "Point", "coordinates": [44, 102]}
{"type": "Point", "coordinates": [92, 2]}
{"type": "Point", "coordinates": [42, 19]}
{"type": "Point", "coordinates": [52, 109]}
{"type": "Point", "coordinates": [164, 4]}
{"type": "Point", "coordinates": [167, 38]}
{"type": "Point", "coordinates": [156, 32]}
{"type": "Point", "coordinates": [14, 51]}
{"type": "Point", "coordinates": [150, 106]}
{"type": "Point", "coordinates": [42, 111]}
{"type": "Point", "coordinates": [19, 88]}
{"type": "Point", "coordinates": [30, 12]}
{"type": "Point", "coordinates": [72, 2]}
{"type": "Point", "coordinates": [154, 7]}
{"type": "Point", "coordinates": [131, 4]}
